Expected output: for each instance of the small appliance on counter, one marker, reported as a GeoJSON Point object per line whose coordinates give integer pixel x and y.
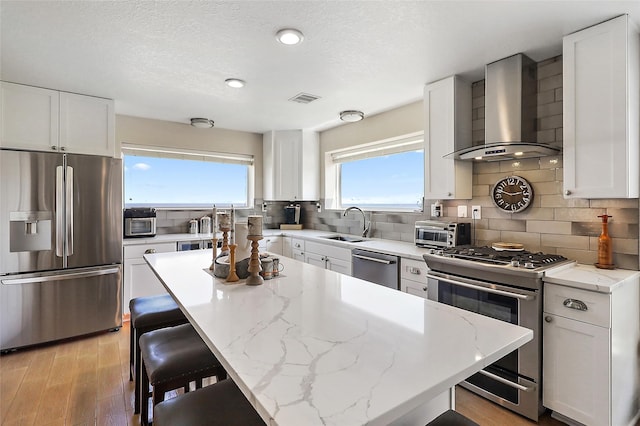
{"type": "Point", "coordinates": [139, 222]}
{"type": "Point", "coordinates": [205, 225]}
{"type": "Point", "coordinates": [292, 217]}
{"type": "Point", "coordinates": [434, 234]}
{"type": "Point", "coordinates": [193, 226]}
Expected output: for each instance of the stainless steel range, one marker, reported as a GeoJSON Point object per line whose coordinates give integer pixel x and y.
{"type": "Point", "coordinates": [506, 285]}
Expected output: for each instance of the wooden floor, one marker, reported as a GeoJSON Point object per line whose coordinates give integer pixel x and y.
{"type": "Point", "coordinates": [86, 382]}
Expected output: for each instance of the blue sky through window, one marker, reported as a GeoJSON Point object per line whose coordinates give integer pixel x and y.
{"type": "Point", "coordinates": [391, 181]}
{"type": "Point", "coordinates": [168, 182]}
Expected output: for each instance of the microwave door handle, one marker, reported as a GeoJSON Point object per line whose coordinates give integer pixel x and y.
{"type": "Point", "coordinates": [59, 211]}
{"type": "Point", "coordinates": [69, 208]}
{"type": "Point", "coordinates": [483, 288]}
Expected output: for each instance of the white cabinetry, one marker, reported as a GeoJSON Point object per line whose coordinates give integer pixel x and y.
{"type": "Point", "coordinates": [601, 105]}
{"type": "Point", "coordinates": [590, 341]}
{"type": "Point", "coordinates": [291, 165]}
{"type": "Point", "coordinates": [328, 256]}
{"type": "Point", "coordinates": [39, 119]}
{"type": "Point", "coordinates": [139, 279]}
{"type": "Point", "coordinates": [447, 106]}
{"type": "Point", "coordinates": [413, 277]}
{"type": "Point", "coordinates": [271, 243]}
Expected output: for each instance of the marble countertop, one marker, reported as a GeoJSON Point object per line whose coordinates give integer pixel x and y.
{"type": "Point", "coordinates": [588, 277]}
{"type": "Point", "coordinates": [397, 248]}
{"type": "Point", "coordinates": [313, 346]}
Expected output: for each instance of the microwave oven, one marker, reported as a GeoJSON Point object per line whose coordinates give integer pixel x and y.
{"type": "Point", "coordinates": [139, 222]}
{"type": "Point", "coordinates": [434, 234]}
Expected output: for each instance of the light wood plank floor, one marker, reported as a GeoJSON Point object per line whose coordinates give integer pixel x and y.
{"type": "Point", "coordinates": [85, 381]}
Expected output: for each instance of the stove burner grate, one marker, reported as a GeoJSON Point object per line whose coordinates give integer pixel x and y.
{"type": "Point", "coordinates": [503, 257]}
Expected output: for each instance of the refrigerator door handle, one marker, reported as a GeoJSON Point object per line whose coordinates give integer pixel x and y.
{"type": "Point", "coordinates": [60, 277]}
{"type": "Point", "coordinates": [69, 209]}
{"type": "Point", "coordinates": [59, 211]}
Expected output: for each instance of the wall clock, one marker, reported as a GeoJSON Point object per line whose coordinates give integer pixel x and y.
{"type": "Point", "coordinates": [512, 194]}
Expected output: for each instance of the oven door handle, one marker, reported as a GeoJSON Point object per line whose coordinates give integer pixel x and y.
{"type": "Point", "coordinates": [482, 287]}
{"type": "Point", "coordinates": [507, 382]}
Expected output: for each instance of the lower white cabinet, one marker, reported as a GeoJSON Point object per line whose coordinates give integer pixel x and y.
{"type": "Point", "coordinates": [139, 279]}
{"type": "Point", "coordinates": [271, 243]}
{"type": "Point", "coordinates": [413, 277]}
{"type": "Point", "coordinates": [328, 256]}
{"type": "Point", "coordinates": [590, 361]}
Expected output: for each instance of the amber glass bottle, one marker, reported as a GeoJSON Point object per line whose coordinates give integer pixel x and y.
{"type": "Point", "coordinates": [605, 252]}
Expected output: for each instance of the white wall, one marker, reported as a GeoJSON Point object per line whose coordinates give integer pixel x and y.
{"type": "Point", "coordinates": [167, 134]}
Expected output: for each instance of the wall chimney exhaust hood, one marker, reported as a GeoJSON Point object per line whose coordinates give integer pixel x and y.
{"type": "Point", "coordinates": [510, 114]}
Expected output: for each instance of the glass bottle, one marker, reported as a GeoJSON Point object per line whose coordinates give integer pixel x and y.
{"type": "Point", "coordinates": [605, 252]}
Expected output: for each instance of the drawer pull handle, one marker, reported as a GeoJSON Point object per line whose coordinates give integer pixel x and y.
{"type": "Point", "coordinates": [575, 304]}
{"type": "Point", "coordinates": [414, 271]}
{"type": "Point", "coordinates": [149, 251]}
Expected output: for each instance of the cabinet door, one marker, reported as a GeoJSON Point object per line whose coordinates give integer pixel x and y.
{"type": "Point", "coordinates": [298, 255]}
{"type": "Point", "coordinates": [287, 246]}
{"type": "Point", "coordinates": [339, 265]}
{"type": "Point", "coordinates": [315, 259]}
{"type": "Point", "coordinates": [447, 106]}
{"type": "Point", "coordinates": [87, 125]}
{"type": "Point", "coordinates": [576, 381]}
{"type": "Point", "coordinates": [600, 138]}
{"type": "Point", "coordinates": [139, 281]}
{"type": "Point", "coordinates": [272, 244]}
{"type": "Point", "coordinates": [28, 117]}
{"type": "Point", "coordinates": [413, 287]}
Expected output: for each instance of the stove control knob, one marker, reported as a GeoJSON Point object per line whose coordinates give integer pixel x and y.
{"type": "Point", "coordinates": [548, 318]}
{"type": "Point", "coordinates": [439, 252]}
{"type": "Point", "coordinates": [432, 251]}
{"type": "Point", "coordinates": [515, 263]}
{"type": "Point", "coordinates": [529, 265]}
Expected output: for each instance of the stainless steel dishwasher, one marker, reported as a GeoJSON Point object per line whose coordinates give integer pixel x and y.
{"type": "Point", "coordinates": [379, 268]}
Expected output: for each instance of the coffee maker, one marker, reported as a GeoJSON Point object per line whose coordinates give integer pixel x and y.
{"type": "Point", "coordinates": [292, 214]}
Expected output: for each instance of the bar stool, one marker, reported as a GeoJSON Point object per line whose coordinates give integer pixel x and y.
{"type": "Point", "coordinates": [452, 418]}
{"type": "Point", "coordinates": [221, 404]}
{"type": "Point", "coordinates": [172, 358]}
{"type": "Point", "coordinates": [148, 314]}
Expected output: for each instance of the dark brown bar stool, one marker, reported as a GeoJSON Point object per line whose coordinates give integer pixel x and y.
{"type": "Point", "coordinates": [221, 404]}
{"type": "Point", "coordinates": [172, 358]}
{"type": "Point", "coordinates": [148, 314]}
{"type": "Point", "coordinates": [451, 418]}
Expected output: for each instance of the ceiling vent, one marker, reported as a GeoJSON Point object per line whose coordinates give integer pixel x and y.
{"type": "Point", "coordinates": [304, 98]}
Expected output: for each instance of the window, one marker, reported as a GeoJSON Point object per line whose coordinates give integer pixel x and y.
{"type": "Point", "coordinates": [183, 179]}
{"type": "Point", "coordinates": [385, 175]}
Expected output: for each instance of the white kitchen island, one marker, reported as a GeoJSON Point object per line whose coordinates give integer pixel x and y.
{"type": "Point", "coordinates": [313, 346]}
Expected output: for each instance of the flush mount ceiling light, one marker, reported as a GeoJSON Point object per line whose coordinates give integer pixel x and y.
{"type": "Point", "coordinates": [236, 83]}
{"type": "Point", "coordinates": [202, 123]}
{"type": "Point", "coordinates": [351, 116]}
{"type": "Point", "coordinates": [289, 36]}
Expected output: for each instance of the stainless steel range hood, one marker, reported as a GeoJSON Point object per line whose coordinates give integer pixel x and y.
{"type": "Point", "coordinates": [510, 114]}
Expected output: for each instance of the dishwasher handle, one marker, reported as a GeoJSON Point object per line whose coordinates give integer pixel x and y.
{"type": "Point", "coordinates": [373, 259]}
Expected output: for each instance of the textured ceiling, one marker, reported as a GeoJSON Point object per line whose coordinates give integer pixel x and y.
{"type": "Point", "coordinates": [168, 59]}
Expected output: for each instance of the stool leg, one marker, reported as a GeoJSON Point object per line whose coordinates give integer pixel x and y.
{"type": "Point", "coordinates": [137, 362]}
{"type": "Point", "coordinates": [131, 349]}
{"type": "Point", "coordinates": [143, 402]}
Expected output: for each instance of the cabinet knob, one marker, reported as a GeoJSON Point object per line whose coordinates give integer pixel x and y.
{"type": "Point", "coordinates": [567, 192]}
{"type": "Point", "coordinates": [548, 318]}
{"type": "Point", "coordinates": [53, 147]}
{"type": "Point", "coordinates": [448, 194]}
{"type": "Point", "coordinates": [424, 288]}
{"type": "Point", "coordinates": [62, 148]}
{"type": "Point", "coordinates": [149, 251]}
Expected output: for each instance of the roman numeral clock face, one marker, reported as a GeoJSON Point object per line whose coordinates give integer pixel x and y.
{"type": "Point", "coordinates": [512, 194]}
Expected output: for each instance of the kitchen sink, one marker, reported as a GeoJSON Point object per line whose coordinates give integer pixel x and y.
{"type": "Point", "coordinates": [344, 238]}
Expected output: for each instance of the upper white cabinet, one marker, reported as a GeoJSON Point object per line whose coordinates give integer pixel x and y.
{"type": "Point", "coordinates": [39, 119]}
{"type": "Point", "coordinates": [447, 107]}
{"type": "Point", "coordinates": [291, 165]}
{"type": "Point", "coordinates": [601, 109]}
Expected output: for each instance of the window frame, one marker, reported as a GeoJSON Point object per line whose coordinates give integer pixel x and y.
{"type": "Point", "coordinates": [395, 145]}
{"type": "Point", "coordinates": [184, 154]}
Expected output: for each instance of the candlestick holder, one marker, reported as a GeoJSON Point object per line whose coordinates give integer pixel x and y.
{"type": "Point", "coordinates": [254, 262]}
{"type": "Point", "coordinates": [232, 277]}
{"type": "Point", "coordinates": [225, 239]}
{"type": "Point", "coordinates": [214, 242]}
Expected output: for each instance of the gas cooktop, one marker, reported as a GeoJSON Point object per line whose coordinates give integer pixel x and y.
{"type": "Point", "coordinates": [516, 258]}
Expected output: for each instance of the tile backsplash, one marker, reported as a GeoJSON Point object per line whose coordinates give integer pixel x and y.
{"type": "Point", "coordinates": [552, 224]}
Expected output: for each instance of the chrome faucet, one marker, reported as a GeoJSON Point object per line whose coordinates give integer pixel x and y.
{"type": "Point", "coordinates": [365, 226]}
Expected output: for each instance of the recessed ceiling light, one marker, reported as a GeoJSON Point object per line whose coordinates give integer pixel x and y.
{"type": "Point", "coordinates": [236, 83]}
{"type": "Point", "coordinates": [351, 116]}
{"type": "Point", "coordinates": [202, 123]}
{"type": "Point", "coordinates": [289, 36]}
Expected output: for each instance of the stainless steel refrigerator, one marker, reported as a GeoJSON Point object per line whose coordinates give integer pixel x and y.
{"type": "Point", "coordinates": [60, 246]}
